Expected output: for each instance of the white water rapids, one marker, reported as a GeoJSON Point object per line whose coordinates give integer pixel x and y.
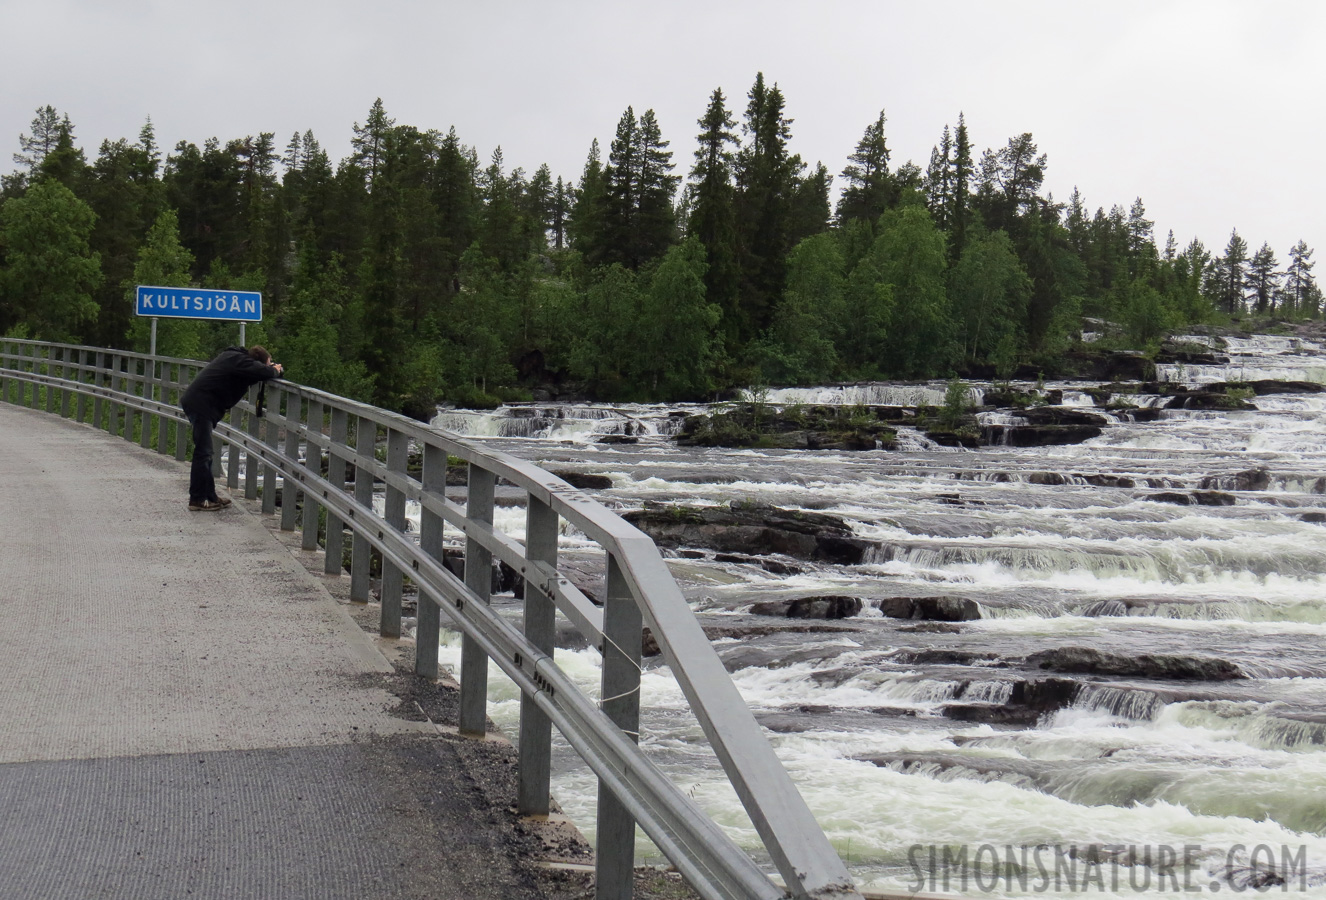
{"type": "Point", "coordinates": [882, 722]}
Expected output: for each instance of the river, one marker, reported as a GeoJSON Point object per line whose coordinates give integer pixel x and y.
{"type": "Point", "coordinates": [906, 734]}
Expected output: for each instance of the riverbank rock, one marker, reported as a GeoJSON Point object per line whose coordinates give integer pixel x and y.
{"type": "Point", "coordinates": [1205, 399]}
{"type": "Point", "coordinates": [1193, 498]}
{"type": "Point", "coordinates": [933, 609]}
{"type": "Point", "coordinates": [649, 644]}
{"type": "Point", "coordinates": [1089, 364]}
{"type": "Point", "coordinates": [1043, 426]}
{"type": "Point", "coordinates": [796, 427]}
{"type": "Point", "coordinates": [1247, 480]}
{"type": "Point", "coordinates": [585, 481]}
{"type": "Point", "coordinates": [1190, 354]}
{"type": "Point", "coordinates": [1016, 398]}
{"type": "Point", "coordinates": [753, 529]}
{"type": "Point", "coordinates": [1089, 661]}
{"type": "Point", "coordinates": [1265, 388]}
{"type": "Point", "coordinates": [1030, 699]}
{"type": "Point", "coordinates": [831, 607]}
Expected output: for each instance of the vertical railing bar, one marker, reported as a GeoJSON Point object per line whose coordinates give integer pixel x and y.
{"type": "Point", "coordinates": [148, 390]}
{"type": "Point", "coordinates": [290, 491]}
{"type": "Point", "coordinates": [620, 693]}
{"type": "Point", "coordinates": [130, 384]}
{"type": "Point", "coordinates": [535, 746]}
{"type": "Point", "coordinates": [163, 396]}
{"type": "Point", "coordinates": [32, 369]}
{"type": "Point", "coordinates": [272, 438]}
{"type": "Point", "coordinates": [66, 395]}
{"type": "Point", "coordinates": [251, 460]}
{"type": "Point", "coordinates": [48, 370]}
{"type": "Point", "coordinates": [80, 402]}
{"type": "Point", "coordinates": [312, 464]}
{"type": "Point", "coordinates": [98, 404]}
{"type": "Point", "coordinates": [479, 579]}
{"type": "Point", "coordinates": [398, 446]}
{"type": "Point", "coordinates": [114, 409]}
{"type": "Point", "coordinates": [335, 540]}
{"type": "Point", "coordinates": [428, 618]}
{"type": "Point", "coordinates": [182, 428]}
{"type": "Point", "coordinates": [366, 436]}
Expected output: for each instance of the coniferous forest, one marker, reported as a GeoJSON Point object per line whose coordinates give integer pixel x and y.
{"type": "Point", "coordinates": [414, 272]}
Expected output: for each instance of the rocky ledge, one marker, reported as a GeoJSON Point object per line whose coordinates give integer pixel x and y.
{"type": "Point", "coordinates": [751, 529]}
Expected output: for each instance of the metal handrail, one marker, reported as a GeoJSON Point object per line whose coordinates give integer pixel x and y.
{"type": "Point", "coordinates": [128, 390]}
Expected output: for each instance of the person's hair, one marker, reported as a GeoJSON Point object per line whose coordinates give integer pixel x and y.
{"type": "Point", "coordinates": [260, 353]}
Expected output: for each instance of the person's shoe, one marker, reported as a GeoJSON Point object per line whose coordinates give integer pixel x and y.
{"type": "Point", "coordinates": [205, 506]}
{"type": "Point", "coordinates": [223, 501]}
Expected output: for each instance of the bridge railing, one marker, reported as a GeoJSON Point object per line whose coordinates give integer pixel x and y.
{"type": "Point", "coordinates": [326, 450]}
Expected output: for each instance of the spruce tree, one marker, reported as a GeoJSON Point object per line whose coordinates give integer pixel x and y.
{"type": "Point", "coordinates": [765, 176]}
{"type": "Point", "coordinates": [712, 221]}
{"type": "Point", "coordinates": [939, 180]}
{"type": "Point", "coordinates": [1230, 273]}
{"type": "Point", "coordinates": [1299, 283]}
{"type": "Point", "coordinates": [870, 190]}
{"type": "Point", "coordinates": [1262, 280]}
{"type": "Point", "coordinates": [621, 181]}
{"type": "Point", "coordinates": [638, 221]}
{"type": "Point", "coordinates": [46, 128]}
{"type": "Point", "coordinates": [958, 215]}
{"type": "Point", "coordinates": [656, 224]}
{"type": "Point", "coordinates": [455, 194]}
{"type": "Point", "coordinates": [808, 214]}
{"type": "Point", "coordinates": [586, 224]}
{"type": "Point", "coordinates": [369, 141]}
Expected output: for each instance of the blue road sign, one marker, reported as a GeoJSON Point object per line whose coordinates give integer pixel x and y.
{"type": "Point", "coordinates": [199, 303]}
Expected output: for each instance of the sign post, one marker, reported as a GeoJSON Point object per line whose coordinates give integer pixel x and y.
{"type": "Point", "coordinates": [197, 303]}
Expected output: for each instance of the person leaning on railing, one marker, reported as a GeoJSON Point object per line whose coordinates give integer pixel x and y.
{"type": "Point", "coordinates": [219, 386]}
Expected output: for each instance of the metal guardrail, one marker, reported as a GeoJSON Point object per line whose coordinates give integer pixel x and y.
{"type": "Point", "coordinates": [324, 448]}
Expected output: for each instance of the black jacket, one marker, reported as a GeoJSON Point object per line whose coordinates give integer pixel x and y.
{"type": "Point", "coordinates": [223, 383]}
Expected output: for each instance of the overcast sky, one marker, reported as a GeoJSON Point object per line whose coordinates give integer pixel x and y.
{"type": "Point", "coordinates": [1211, 111]}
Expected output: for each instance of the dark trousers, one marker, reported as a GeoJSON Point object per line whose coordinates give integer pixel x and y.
{"type": "Point", "coordinates": [201, 484]}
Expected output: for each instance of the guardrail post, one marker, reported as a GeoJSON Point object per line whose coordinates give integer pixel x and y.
{"type": "Point", "coordinates": [398, 447]}
{"type": "Point", "coordinates": [129, 386]}
{"type": "Point", "coordinates": [336, 463]}
{"type": "Point", "coordinates": [80, 400]}
{"type": "Point", "coordinates": [181, 428]}
{"type": "Point", "coordinates": [149, 390]}
{"type": "Point", "coordinates": [32, 368]}
{"type": "Point", "coordinates": [312, 463]}
{"type": "Point", "coordinates": [479, 579]}
{"type": "Point", "coordinates": [48, 366]}
{"type": "Point", "coordinates": [66, 396]}
{"type": "Point", "coordinates": [113, 406]}
{"type": "Point", "coordinates": [98, 405]}
{"type": "Point", "coordinates": [290, 492]}
{"type": "Point", "coordinates": [428, 622]}
{"type": "Point", "coordinates": [272, 438]}
{"type": "Point", "coordinates": [620, 692]}
{"type": "Point", "coordinates": [250, 460]}
{"type": "Point", "coordinates": [163, 422]}
{"type": "Point", "coordinates": [366, 437]}
{"type": "Point", "coordinates": [125, 422]}
{"type": "Point", "coordinates": [541, 631]}
{"type": "Point", "coordinates": [233, 417]}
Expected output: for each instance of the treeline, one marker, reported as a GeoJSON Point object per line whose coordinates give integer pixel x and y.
{"type": "Point", "coordinates": [411, 272]}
